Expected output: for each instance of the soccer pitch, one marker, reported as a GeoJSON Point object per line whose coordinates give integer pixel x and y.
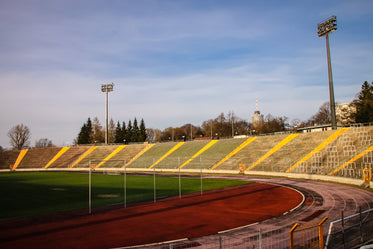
{"type": "Point", "coordinates": [26, 194]}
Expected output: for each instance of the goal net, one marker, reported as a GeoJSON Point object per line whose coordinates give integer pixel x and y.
{"type": "Point", "coordinates": [107, 183]}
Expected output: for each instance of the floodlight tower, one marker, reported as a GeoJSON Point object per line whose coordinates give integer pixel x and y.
{"type": "Point", "coordinates": [324, 28]}
{"type": "Point", "coordinates": [106, 88]}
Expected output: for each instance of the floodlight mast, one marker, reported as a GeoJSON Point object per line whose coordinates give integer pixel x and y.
{"type": "Point", "coordinates": [324, 28]}
{"type": "Point", "coordinates": [106, 88]}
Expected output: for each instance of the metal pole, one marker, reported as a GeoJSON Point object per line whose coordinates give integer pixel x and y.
{"type": "Point", "coordinates": [331, 88]}
{"type": "Point", "coordinates": [179, 183]}
{"type": "Point", "coordinates": [260, 238]}
{"type": "Point", "coordinates": [125, 185]}
{"type": "Point", "coordinates": [154, 186]}
{"type": "Point", "coordinates": [89, 191]}
{"type": "Point", "coordinates": [200, 163]}
{"type": "Point", "coordinates": [361, 226]}
{"type": "Point", "coordinates": [106, 117]}
{"type": "Point", "coordinates": [343, 230]}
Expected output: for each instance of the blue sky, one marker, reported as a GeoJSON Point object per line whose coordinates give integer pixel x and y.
{"type": "Point", "coordinates": [174, 62]}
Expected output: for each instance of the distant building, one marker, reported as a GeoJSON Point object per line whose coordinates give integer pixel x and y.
{"type": "Point", "coordinates": [257, 119]}
{"type": "Point", "coordinates": [344, 114]}
{"type": "Point", "coordinates": [315, 128]}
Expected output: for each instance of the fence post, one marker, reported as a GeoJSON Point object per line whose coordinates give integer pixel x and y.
{"type": "Point", "coordinates": [321, 233]}
{"type": "Point", "coordinates": [154, 186]}
{"type": "Point", "coordinates": [343, 230]}
{"type": "Point", "coordinates": [125, 184]}
{"type": "Point", "coordinates": [260, 238]}
{"type": "Point", "coordinates": [200, 164]}
{"type": "Point", "coordinates": [291, 235]}
{"type": "Point", "coordinates": [361, 226]}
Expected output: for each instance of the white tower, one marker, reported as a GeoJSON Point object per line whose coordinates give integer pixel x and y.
{"type": "Point", "coordinates": [257, 119]}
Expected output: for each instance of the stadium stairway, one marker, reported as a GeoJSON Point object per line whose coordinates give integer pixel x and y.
{"type": "Point", "coordinates": [182, 154]}
{"type": "Point", "coordinates": [198, 153]}
{"type": "Point", "coordinates": [151, 155]}
{"type": "Point", "coordinates": [134, 154]}
{"type": "Point", "coordinates": [173, 149]}
{"type": "Point", "coordinates": [37, 158]}
{"type": "Point", "coordinates": [329, 140]}
{"type": "Point", "coordinates": [8, 158]}
{"type": "Point", "coordinates": [98, 154]}
{"type": "Point", "coordinates": [273, 150]}
{"type": "Point", "coordinates": [68, 157]}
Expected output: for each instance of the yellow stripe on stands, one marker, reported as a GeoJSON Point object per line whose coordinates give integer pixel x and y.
{"type": "Point", "coordinates": [139, 154]}
{"type": "Point", "coordinates": [352, 160]}
{"type": "Point", "coordinates": [273, 150]}
{"type": "Point", "coordinates": [92, 148]}
{"type": "Point", "coordinates": [211, 143]}
{"type": "Point", "coordinates": [329, 140]}
{"type": "Point", "coordinates": [60, 153]}
{"type": "Point", "coordinates": [21, 155]}
{"type": "Point", "coordinates": [167, 154]}
{"type": "Point", "coordinates": [249, 140]}
{"type": "Point", "coordinates": [121, 147]}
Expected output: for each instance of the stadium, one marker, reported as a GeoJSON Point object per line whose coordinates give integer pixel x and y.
{"type": "Point", "coordinates": [291, 190]}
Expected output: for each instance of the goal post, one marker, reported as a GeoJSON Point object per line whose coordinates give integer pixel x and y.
{"type": "Point", "coordinates": [118, 168]}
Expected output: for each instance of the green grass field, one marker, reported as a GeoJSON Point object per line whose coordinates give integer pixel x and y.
{"type": "Point", "coordinates": [38, 193]}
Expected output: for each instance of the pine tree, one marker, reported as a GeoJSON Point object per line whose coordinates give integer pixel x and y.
{"type": "Point", "coordinates": [85, 134]}
{"type": "Point", "coordinates": [129, 132]}
{"type": "Point", "coordinates": [364, 104]}
{"type": "Point", "coordinates": [118, 134]}
{"type": "Point", "coordinates": [142, 133]}
{"type": "Point", "coordinates": [124, 133]}
{"type": "Point", "coordinates": [135, 131]}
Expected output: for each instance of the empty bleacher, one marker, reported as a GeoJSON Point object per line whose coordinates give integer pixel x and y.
{"type": "Point", "coordinates": [345, 152]}
{"type": "Point", "coordinates": [66, 160]}
{"type": "Point", "coordinates": [8, 158]}
{"type": "Point", "coordinates": [38, 157]}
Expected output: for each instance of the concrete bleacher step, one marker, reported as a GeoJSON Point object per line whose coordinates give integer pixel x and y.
{"type": "Point", "coordinates": [38, 158]}
{"type": "Point", "coordinates": [8, 159]}
{"type": "Point", "coordinates": [181, 154]}
{"type": "Point", "coordinates": [153, 154]}
{"type": "Point", "coordinates": [70, 156]}
{"type": "Point", "coordinates": [98, 154]}
{"type": "Point", "coordinates": [321, 146]}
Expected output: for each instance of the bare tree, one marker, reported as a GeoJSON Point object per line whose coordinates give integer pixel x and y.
{"type": "Point", "coordinates": [20, 137]}
{"type": "Point", "coordinates": [43, 143]}
{"type": "Point", "coordinates": [322, 117]}
{"type": "Point", "coordinates": [111, 130]}
{"type": "Point", "coordinates": [98, 131]}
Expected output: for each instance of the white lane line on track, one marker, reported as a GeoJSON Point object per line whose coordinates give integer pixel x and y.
{"type": "Point", "coordinates": [152, 244]}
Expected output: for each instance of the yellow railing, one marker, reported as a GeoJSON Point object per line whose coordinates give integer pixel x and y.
{"type": "Point", "coordinates": [307, 237]}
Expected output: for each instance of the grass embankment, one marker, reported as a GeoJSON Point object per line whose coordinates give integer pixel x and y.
{"type": "Point", "coordinates": [38, 193]}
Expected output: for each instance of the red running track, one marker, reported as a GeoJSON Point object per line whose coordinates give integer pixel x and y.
{"type": "Point", "coordinates": [169, 219]}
